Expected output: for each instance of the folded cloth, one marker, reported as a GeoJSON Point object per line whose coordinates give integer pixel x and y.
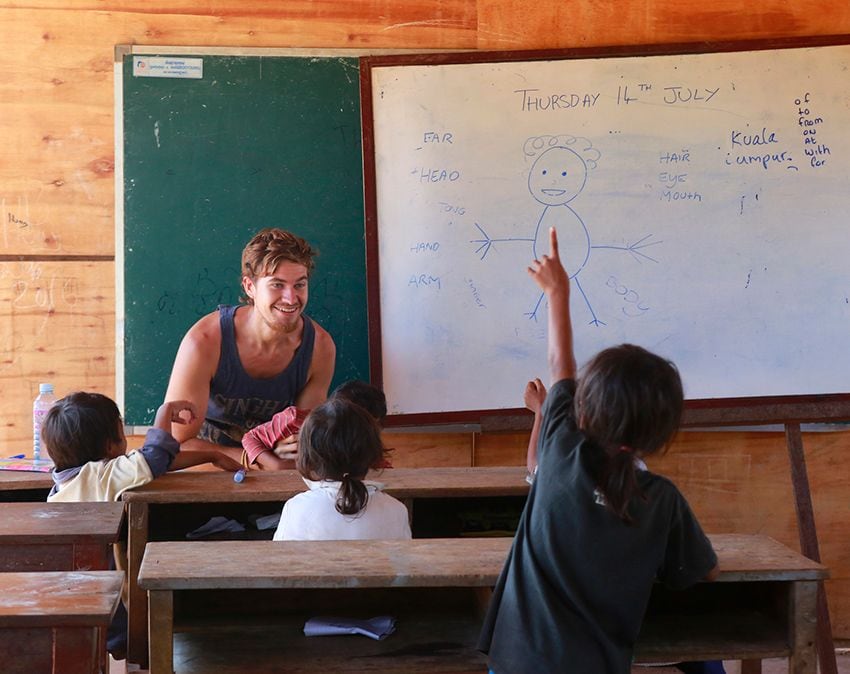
{"type": "Point", "coordinates": [216, 525]}
{"type": "Point", "coordinates": [376, 628]}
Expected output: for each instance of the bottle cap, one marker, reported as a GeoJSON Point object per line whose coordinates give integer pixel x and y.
{"type": "Point", "coordinates": [45, 388]}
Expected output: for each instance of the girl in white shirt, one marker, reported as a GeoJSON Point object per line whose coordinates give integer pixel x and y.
{"type": "Point", "coordinates": [338, 444]}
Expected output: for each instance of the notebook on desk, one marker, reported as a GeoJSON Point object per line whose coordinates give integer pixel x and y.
{"type": "Point", "coordinates": [31, 465]}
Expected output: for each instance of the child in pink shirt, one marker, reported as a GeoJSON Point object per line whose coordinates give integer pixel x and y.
{"type": "Point", "coordinates": [272, 445]}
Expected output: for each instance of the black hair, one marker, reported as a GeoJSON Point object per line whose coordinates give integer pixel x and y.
{"type": "Point", "coordinates": [340, 441]}
{"type": "Point", "coordinates": [80, 428]}
{"type": "Point", "coordinates": [362, 393]}
{"type": "Point", "coordinates": [628, 400]}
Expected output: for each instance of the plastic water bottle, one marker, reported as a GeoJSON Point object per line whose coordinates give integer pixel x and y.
{"type": "Point", "coordinates": [42, 403]}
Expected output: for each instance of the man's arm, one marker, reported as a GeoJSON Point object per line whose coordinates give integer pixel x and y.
{"type": "Point", "coordinates": [194, 367]}
{"type": "Point", "coordinates": [321, 371]}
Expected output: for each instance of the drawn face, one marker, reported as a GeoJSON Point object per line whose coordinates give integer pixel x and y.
{"type": "Point", "coordinates": [281, 297]}
{"type": "Point", "coordinates": [557, 176]}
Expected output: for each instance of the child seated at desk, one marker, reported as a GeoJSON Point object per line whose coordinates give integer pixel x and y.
{"type": "Point", "coordinates": [595, 533]}
{"type": "Point", "coordinates": [339, 443]}
{"type": "Point", "coordinates": [84, 437]}
{"type": "Point", "coordinates": [272, 445]}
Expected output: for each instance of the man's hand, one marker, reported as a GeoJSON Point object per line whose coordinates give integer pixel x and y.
{"type": "Point", "coordinates": [175, 411]}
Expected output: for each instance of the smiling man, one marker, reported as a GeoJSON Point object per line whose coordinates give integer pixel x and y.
{"type": "Point", "coordinates": [242, 364]}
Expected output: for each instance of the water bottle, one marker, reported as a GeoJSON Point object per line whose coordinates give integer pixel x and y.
{"type": "Point", "coordinates": [42, 403]}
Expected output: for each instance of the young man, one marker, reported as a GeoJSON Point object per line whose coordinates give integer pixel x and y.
{"type": "Point", "coordinates": [241, 365]}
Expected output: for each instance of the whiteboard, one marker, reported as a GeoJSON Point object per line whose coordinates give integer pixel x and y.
{"type": "Point", "coordinates": [702, 202]}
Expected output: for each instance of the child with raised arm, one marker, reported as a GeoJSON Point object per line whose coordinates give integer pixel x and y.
{"type": "Point", "coordinates": [595, 533]}
{"type": "Point", "coordinates": [339, 443]}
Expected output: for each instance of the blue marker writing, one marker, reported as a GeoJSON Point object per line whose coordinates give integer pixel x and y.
{"type": "Point", "coordinates": [18, 456]}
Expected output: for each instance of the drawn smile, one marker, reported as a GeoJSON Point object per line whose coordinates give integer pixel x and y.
{"type": "Point", "coordinates": [553, 192]}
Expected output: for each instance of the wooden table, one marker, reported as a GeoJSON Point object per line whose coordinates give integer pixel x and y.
{"type": "Point", "coordinates": [58, 536]}
{"type": "Point", "coordinates": [19, 485]}
{"type": "Point", "coordinates": [192, 487]}
{"type": "Point", "coordinates": [763, 605]}
{"type": "Point", "coordinates": [55, 621]}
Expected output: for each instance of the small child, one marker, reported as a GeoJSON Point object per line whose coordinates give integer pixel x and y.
{"type": "Point", "coordinates": [84, 437]}
{"type": "Point", "coordinates": [273, 445]}
{"type": "Point", "coordinates": [595, 533]}
{"type": "Point", "coordinates": [339, 443]}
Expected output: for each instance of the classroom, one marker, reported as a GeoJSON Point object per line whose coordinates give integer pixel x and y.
{"type": "Point", "coordinates": [66, 317]}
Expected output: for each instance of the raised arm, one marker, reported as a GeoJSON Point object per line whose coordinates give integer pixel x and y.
{"type": "Point", "coordinates": [550, 275]}
{"type": "Point", "coordinates": [535, 394]}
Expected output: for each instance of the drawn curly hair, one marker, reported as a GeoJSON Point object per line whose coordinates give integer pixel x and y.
{"type": "Point", "coordinates": [583, 147]}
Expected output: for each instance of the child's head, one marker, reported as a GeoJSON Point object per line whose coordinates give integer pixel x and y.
{"type": "Point", "coordinates": [340, 441]}
{"type": "Point", "coordinates": [629, 397]}
{"type": "Point", "coordinates": [628, 402]}
{"type": "Point", "coordinates": [369, 397]}
{"type": "Point", "coordinates": [83, 427]}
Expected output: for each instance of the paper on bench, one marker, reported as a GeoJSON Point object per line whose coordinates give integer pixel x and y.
{"type": "Point", "coordinates": [377, 628]}
{"type": "Point", "coordinates": [216, 525]}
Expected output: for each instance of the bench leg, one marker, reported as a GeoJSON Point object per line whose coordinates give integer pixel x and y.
{"type": "Point", "coordinates": [137, 619]}
{"type": "Point", "coordinates": [750, 666]}
{"type": "Point", "coordinates": [161, 632]}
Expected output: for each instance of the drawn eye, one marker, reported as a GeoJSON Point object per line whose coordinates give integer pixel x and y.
{"type": "Point", "coordinates": [564, 173]}
{"type": "Point", "coordinates": [544, 172]}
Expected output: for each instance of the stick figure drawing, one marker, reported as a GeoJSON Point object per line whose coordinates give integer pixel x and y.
{"type": "Point", "coordinates": [557, 176]}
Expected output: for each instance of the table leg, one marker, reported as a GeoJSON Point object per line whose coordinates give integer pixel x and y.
{"type": "Point", "coordinates": [161, 618]}
{"type": "Point", "coordinates": [803, 624]}
{"type": "Point", "coordinates": [137, 607]}
{"type": "Point", "coordinates": [75, 650]}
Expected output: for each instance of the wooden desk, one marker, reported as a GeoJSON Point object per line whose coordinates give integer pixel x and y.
{"type": "Point", "coordinates": [19, 485]}
{"type": "Point", "coordinates": [55, 621]}
{"type": "Point", "coordinates": [188, 487]}
{"type": "Point", "coordinates": [58, 536]}
{"type": "Point", "coordinates": [762, 606]}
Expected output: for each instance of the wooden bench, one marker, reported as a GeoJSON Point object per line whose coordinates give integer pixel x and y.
{"type": "Point", "coordinates": [54, 622]}
{"type": "Point", "coordinates": [58, 536]}
{"type": "Point", "coordinates": [164, 498]}
{"type": "Point", "coordinates": [762, 606]}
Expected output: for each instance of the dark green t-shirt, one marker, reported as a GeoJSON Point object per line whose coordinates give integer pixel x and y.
{"type": "Point", "coordinates": [574, 589]}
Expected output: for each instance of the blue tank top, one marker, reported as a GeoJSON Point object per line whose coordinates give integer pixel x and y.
{"type": "Point", "coordinates": [237, 401]}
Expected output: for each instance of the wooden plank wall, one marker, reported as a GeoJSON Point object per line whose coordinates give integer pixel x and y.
{"type": "Point", "coordinates": [57, 315]}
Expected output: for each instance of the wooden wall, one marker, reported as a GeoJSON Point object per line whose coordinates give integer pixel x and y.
{"type": "Point", "coordinates": [57, 316]}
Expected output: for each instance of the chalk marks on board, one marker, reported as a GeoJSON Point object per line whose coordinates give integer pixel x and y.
{"type": "Point", "coordinates": [557, 176]}
{"type": "Point", "coordinates": [205, 292]}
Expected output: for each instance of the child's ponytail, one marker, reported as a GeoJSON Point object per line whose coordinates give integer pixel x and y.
{"type": "Point", "coordinates": [352, 495]}
{"type": "Point", "coordinates": [628, 403]}
{"type": "Point", "coordinates": [618, 482]}
{"type": "Point", "coordinates": [340, 441]}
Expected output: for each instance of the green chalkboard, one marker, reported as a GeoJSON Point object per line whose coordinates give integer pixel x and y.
{"type": "Point", "coordinates": [257, 141]}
